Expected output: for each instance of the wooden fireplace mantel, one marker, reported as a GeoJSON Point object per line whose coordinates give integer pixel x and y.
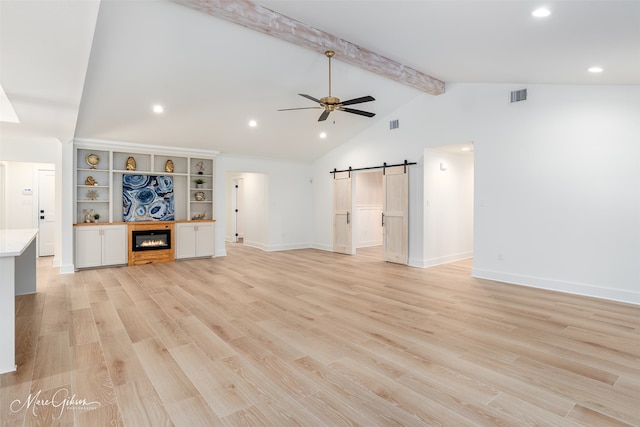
{"type": "Point", "coordinates": [148, 257]}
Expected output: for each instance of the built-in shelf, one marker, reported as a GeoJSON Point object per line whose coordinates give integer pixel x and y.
{"type": "Point", "coordinates": [112, 166]}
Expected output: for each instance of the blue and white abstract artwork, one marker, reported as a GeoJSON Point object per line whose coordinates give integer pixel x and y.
{"type": "Point", "coordinates": [147, 198]}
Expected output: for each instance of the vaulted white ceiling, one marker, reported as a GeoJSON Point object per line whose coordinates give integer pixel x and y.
{"type": "Point", "coordinates": [69, 74]}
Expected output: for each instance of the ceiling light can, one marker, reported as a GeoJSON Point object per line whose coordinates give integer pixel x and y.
{"type": "Point", "coordinates": [541, 13]}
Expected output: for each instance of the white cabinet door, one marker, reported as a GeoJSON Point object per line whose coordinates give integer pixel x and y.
{"type": "Point", "coordinates": [114, 244]}
{"type": "Point", "coordinates": [194, 240]}
{"type": "Point", "coordinates": [88, 246]}
{"type": "Point", "coordinates": [204, 240]}
{"type": "Point", "coordinates": [185, 241]}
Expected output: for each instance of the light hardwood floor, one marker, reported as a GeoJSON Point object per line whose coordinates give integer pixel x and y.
{"type": "Point", "coordinates": [313, 338]}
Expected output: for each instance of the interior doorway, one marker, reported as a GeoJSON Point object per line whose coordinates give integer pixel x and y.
{"type": "Point", "coordinates": [368, 202]}
{"type": "Point", "coordinates": [247, 209]}
{"type": "Point", "coordinates": [380, 212]}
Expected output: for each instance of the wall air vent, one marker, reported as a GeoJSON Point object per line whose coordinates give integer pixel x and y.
{"type": "Point", "coordinates": [394, 124]}
{"type": "Point", "coordinates": [519, 95]}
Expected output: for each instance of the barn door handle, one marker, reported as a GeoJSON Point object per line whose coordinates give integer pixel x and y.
{"type": "Point", "coordinates": [347, 217]}
{"type": "Point", "coordinates": [383, 219]}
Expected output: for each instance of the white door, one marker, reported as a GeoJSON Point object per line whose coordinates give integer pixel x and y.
{"type": "Point", "coordinates": [342, 215]}
{"type": "Point", "coordinates": [46, 212]}
{"type": "Point", "coordinates": [238, 214]}
{"type": "Point", "coordinates": [395, 215]}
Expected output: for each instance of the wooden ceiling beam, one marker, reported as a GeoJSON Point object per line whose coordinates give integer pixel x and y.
{"type": "Point", "coordinates": [259, 18]}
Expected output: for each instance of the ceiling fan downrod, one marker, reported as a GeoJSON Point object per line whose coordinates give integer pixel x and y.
{"type": "Point", "coordinates": [329, 54]}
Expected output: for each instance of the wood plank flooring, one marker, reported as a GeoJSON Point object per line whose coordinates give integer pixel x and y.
{"type": "Point", "coordinates": [312, 338]}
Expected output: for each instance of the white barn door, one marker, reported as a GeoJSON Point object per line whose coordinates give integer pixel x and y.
{"type": "Point", "coordinates": [395, 215]}
{"type": "Point", "coordinates": [342, 215]}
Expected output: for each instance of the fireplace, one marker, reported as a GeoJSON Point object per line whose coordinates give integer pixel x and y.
{"type": "Point", "coordinates": [150, 240]}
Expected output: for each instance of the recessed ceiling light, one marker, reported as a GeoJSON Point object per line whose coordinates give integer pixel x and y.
{"type": "Point", "coordinates": [466, 149]}
{"type": "Point", "coordinates": [595, 70]}
{"type": "Point", "coordinates": [541, 13]}
{"type": "Point", "coordinates": [158, 109]}
{"type": "Point", "coordinates": [323, 135]}
{"type": "Point", "coordinates": [253, 123]}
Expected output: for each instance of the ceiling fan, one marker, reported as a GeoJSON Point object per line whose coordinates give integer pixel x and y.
{"type": "Point", "coordinates": [331, 103]}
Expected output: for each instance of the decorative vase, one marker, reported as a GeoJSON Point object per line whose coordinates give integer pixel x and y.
{"type": "Point", "coordinates": [131, 164]}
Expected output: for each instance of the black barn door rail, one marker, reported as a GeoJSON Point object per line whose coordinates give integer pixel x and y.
{"type": "Point", "coordinates": [383, 167]}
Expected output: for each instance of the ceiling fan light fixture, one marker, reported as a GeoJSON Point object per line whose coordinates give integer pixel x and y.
{"type": "Point", "coordinates": [331, 103]}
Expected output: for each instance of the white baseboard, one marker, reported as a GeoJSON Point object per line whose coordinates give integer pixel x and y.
{"type": "Point", "coordinates": [276, 248]}
{"type": "Point", "coordinates": [620, 295]}
{"type": "Point", "coordinates": [288, 247]}
{"type": "Point", "coordinates": [322, 247]}
{"type": "Point", "coordinates": [426, 263]}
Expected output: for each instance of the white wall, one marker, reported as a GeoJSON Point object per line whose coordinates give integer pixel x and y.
{"type": "Point", "coordinates": [257, 204]}
{"type": "Point", "coordinates": [557, 194]}
{"type": "Point", "coordinates": [32, 152]}
{"type": "Point", "coordinates": [556, 180]}
{"type": "Point", "coordinates": [21, 192]}
{"type": "Point", "coordinates": [287, 190]}
{"type": "Point", "coordinates": [48, 152]}
{"type": "Point", "coordinates": [448, 207]}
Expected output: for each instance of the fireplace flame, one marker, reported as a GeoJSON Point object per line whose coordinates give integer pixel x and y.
{"type": "Point", "coordinates": [152, 243]}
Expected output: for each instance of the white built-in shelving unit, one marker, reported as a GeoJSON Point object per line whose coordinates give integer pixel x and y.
{"type": "Point", "coordinates": [188, 166]}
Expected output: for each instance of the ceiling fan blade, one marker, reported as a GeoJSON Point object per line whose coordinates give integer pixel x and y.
{"type": "Point", "coordinates": [311, 98]}
{"type": "Point", "coordinates": [301, 108]}
{"type": "Point", "coordinates": [358, 100]}
{"type": "Point", "coordinates": [324, 115]}
{"type": "Point", "coordinates": [360, 112]}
